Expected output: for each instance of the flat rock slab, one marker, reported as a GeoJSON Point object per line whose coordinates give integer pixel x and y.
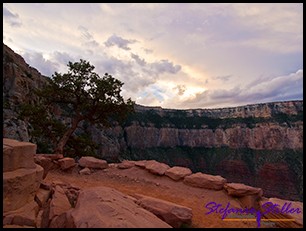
{"type": "Point", "coordinates": [103, 207]}
{"type": "Point", "coordinates": [92, 162]}
{"type": "Point", "coordinates": [156, 167]}
{"type": "Point", "coordinates": [177, 173]}
{"type": "Point", "coordinates": [20, 186]}
{"type": "Point", "coordinates": [201, 180]}
{"type": "Point", "coordinates": [18, 154]}
{"type": "Point", "coordinates": [239, 190]}
{"type": "Point", "coordinates": [174, 214]}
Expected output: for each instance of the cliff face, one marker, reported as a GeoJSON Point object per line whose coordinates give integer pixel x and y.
{"type": "Point", "coordinates": [242, 143]}
{"type": "Point", "coordinates": [263, 136]}
{"type": "Point", "coordinates": [19, 81]}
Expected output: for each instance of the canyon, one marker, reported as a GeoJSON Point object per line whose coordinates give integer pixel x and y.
{"type": "Point", "coordinates": [259, 145]}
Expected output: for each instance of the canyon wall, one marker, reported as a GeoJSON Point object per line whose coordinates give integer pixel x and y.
{"type": "Point", "coordinates": [259, 144]}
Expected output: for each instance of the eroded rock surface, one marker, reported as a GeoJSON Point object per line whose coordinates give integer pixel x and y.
{"type": "Point", "coordinates": [103, 207]}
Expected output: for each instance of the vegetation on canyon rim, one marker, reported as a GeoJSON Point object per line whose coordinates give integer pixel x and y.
{"type": "Point", "coordinates": [76, 96]}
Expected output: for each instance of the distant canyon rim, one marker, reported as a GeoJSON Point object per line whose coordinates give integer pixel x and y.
{"type": "Point", "coordinates": [260, 144]}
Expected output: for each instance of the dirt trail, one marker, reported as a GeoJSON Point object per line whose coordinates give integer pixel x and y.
{"type": "Point", "coordinates": [137, 180]}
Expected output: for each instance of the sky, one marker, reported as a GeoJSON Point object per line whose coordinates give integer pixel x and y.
{"type": "Point", "coordinates": [173, 55]}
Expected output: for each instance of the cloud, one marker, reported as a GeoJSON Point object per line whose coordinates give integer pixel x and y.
{"type": "Point", "coordinates": [12, 19]}
{"type": "Point", "coordinates": [87, 37]}
{"type": "Point", "coordinates": [164, 66]}
{"type": "Point", "coordinates": [205, 55]}
{"type": "Point", "coordinates": [118, 41]}
{"type": "Point", "coordinates": [138, 60]}
{"type": "Point", "coordinates": [181, 89]}
{"type": "Point", "coordinates": [224, 78]}
{"type": "Point", "coordinates": [279, 88]}
{"type": "Point", "coordinates": [44, 66]}
{"type": "Point", "coordinates": [63, 57]}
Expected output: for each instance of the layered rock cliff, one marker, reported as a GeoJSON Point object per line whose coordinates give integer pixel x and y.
{"type": "Point", "coordinates": [245, 143]}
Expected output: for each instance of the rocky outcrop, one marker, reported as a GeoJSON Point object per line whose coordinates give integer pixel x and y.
{"type": "Point", "coordinates": [21, 176]}
{"type": "Point", "coordinates": [19, 81]}
{"type": "Point", "coordinates": [174, 214]}
{"type": "Point", "coordinates": [254, 110]}
{"type": "Point", "coordinates": [24, 216]}
{"type": "Point", "coordinates": [202, 180]}
{"type": "Point", "coordinates": [18, 155]}
{"type": "Point", "coordinates": [102, 207]}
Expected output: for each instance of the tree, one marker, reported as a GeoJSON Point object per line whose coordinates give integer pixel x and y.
{"type": "Point", "coordinates": [80, 94]}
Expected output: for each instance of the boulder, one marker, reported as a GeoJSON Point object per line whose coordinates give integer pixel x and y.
{"type": "Point", "coordinates": [240, 190]}
{"type": "Point", "coordinates": [201, 180]}
{"type": "Point", "coordinates": [17, 155]}
{"type": "Point", "coordinates": [126, 164]}
{"type": "Point", "coordinates": [103, 207]}
{"type": "Point", "coordinates": [92, 162]}
{"type": "Point", "coordinates": [20, 186]}
{"type": "Point", "coordinates": [156, 167]}
{"type": "Point", "coordinates": [66, 163]}
{"type": "Point", "coordinates": [174, 214]}
{"type": "Point", "coordinates": [177, 173]}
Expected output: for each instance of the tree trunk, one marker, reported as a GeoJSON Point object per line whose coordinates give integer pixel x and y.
{"type": "Point", "coordinates": [62, 142]}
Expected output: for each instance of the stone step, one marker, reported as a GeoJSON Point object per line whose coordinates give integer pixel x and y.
{"type": "Point", "coordinates": [20, 186]}
{"type": "Point", "coordinates": [18, 154]}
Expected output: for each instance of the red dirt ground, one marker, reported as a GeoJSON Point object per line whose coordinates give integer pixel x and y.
{"type": "Point", "coordinates": [138, 180]}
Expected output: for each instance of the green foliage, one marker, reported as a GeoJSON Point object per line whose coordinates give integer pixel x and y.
{"type": "Point", "coordinates": [81, 145]}
{"type": "Point", "coordinates": [45, 129]}
{"type": "Point", "coordinates": [67, 99]}
{"type": "Point", "coordinates": [179, 119]}
{"type": "Point", "coordinates": [6, 104]}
